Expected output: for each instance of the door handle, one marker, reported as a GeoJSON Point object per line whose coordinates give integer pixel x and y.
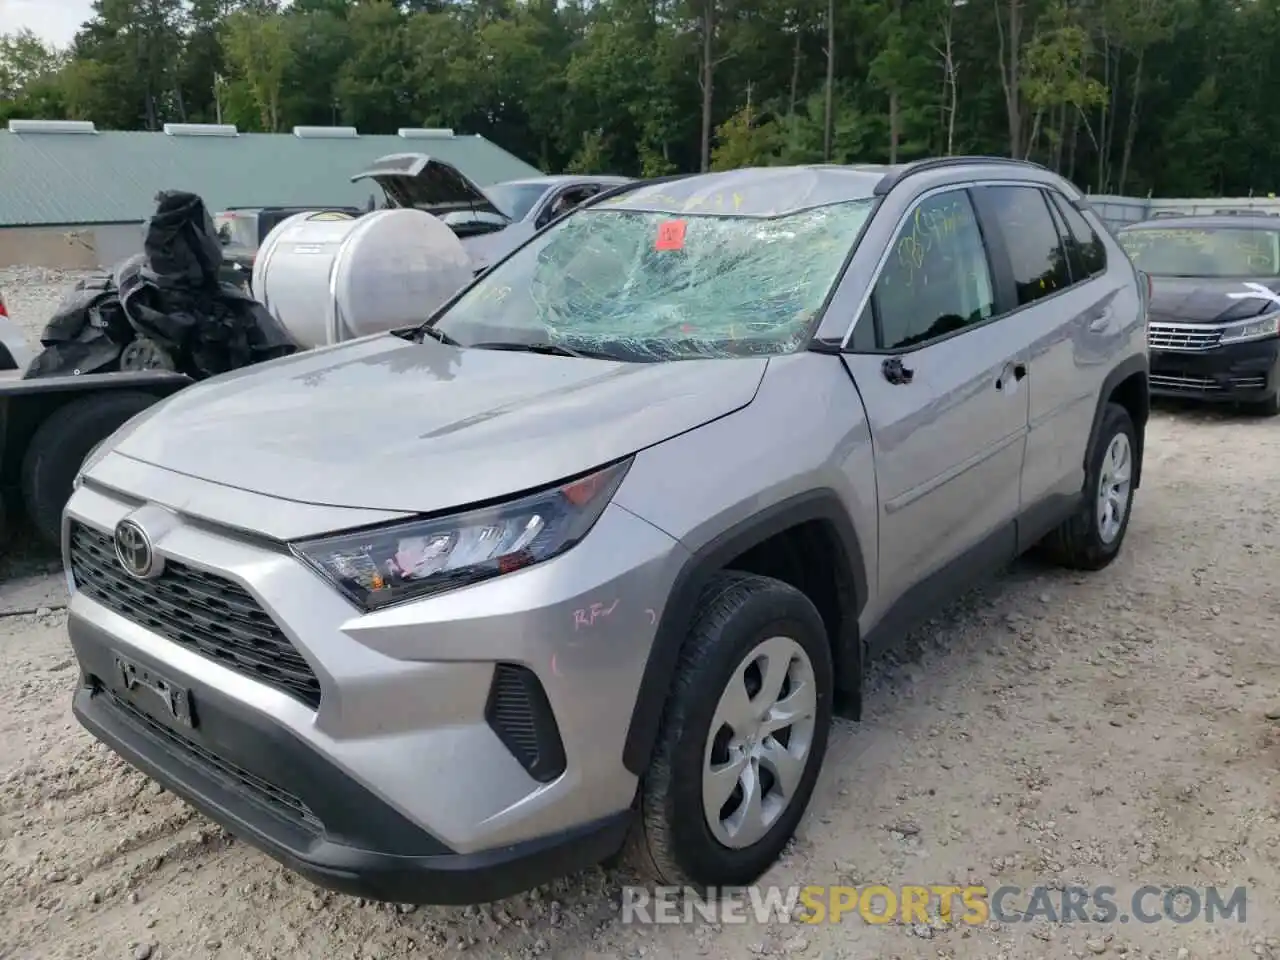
{"type": "Point", "coordinates": [895, 371]}
{"type": "Point", "coordinates": [1016, 370]}
{"type": "Point", "coordinates": [1100, 322]}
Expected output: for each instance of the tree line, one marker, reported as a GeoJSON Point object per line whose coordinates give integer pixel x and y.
{"type": "Point", "coordinates": [1170, 97]}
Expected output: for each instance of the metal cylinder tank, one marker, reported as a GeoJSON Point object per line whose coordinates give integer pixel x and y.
{"type": "Point", "coordinates": [328, 277]}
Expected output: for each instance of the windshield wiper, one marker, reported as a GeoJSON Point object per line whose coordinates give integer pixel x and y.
{"type": "Point", "coordinates": [549, 349]}
{"type": "Point", "coordinates": [436, 334]}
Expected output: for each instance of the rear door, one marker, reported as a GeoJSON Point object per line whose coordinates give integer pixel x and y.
{"type": "Point", "coordinates": [1065, 312]}
{"type": "Point", "coordinates": [942, 383]}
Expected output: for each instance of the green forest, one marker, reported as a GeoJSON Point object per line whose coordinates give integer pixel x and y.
{"type": "Point", "coordinates": [1122, 96]}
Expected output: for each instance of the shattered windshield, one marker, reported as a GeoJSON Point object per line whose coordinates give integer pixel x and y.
{"type": "Point", "coordinates": [639, 285]}
{"type": "Point", "coordinates": [1217, 252]}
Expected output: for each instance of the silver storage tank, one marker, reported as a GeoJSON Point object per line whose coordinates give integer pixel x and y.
{"type": "Point", "coordinates": [328, 277]}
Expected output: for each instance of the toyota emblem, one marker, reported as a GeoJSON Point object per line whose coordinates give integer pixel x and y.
{"type": "Point", "coordinates": [134, 551]}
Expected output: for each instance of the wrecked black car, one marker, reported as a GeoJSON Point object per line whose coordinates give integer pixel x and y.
{"type": "Point", "coordinates": [119, 342]}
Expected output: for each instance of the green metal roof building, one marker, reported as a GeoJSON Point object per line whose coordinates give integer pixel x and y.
{"type": "Point", "coordinates": [68, 173]}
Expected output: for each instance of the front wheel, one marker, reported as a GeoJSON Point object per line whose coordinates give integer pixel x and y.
{"type": "Point", "coordinates": [744, 734]}
{"type": "Point", "coordinates": [1266, 408]}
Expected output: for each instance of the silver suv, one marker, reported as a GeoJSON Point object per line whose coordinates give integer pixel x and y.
{"type": "Point", "coordinates": [596, 552]}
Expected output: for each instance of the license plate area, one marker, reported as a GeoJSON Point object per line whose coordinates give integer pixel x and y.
{"type": "Point", "coordinates": [154, 694]}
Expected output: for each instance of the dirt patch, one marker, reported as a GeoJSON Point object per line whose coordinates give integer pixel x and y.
{"type": "Point", "coordinates": [1051, 729]}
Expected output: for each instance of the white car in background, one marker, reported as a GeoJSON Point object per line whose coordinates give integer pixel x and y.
{"type": "Point", "coordinates": [539, 200]}
{"type": "Point", "coordinates": [523, 207]}
{"type": "Point", "coordinates": [15, 352]}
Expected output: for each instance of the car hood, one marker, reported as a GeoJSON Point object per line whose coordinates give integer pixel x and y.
{"type": "Point", "coordinates": [385, 424]}
{"type": "Point", "coordinates": [1187, 300]}
{"type": "Point", "coordinates": [428, 183]}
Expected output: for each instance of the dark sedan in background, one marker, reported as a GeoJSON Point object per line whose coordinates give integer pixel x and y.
{"type": "Point", "coordinates": [1214, 320]}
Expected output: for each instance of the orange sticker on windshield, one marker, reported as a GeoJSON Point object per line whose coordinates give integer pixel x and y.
{"type": "Point", "coordinates": [670, 235]}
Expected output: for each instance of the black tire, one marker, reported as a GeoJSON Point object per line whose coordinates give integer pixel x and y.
{"type": "Point", "coordinates": [58, 448]}
{"type": "Point", "coordinates": [1266, 408]}
{"type": "Point", "coordinates": [672, 842]}
{"type": "Point", "coordinates": [1078, 544]}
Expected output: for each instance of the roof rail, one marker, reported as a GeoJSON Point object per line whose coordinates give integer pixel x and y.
{"type": "Point", "coordinates": [326, 133]}
{"type": "Point", "coordinates": [891, 180]}
{"type": "Point", "coordinates": [52, 126]}
{"type": "Point", "coordinates": [425, 133]}
{"type": "Point", "coordinates": [201, 130]}
{"type": "Point", "coordinates": [1163, 214]}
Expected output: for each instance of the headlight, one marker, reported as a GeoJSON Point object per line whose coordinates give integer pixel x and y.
{"type": "Point", "coordinates": [378, 567]}
{"type": "Point", "coordinates": [1260, 328]}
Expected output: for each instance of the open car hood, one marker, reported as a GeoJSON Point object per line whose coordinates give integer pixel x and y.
{"type": "Point", "coordinates": [418, 180]}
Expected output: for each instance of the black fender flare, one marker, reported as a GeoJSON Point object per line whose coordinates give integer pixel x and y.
{"type": "Point", "coordinates": [1137, 364]}
{"type": "Point", "coordinates": [821, 505]}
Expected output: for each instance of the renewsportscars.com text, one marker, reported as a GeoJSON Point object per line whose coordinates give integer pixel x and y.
{"type": "Point", "coordinates": [948, 903]}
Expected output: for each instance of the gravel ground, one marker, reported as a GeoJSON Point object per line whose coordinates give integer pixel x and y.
{"type": "Point", "coordinates": [32, 294]}
{"type": "Point", "coordinates": [1051, 729]}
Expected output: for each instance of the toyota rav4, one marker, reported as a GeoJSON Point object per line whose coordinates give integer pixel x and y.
{"type": "Point", "coordinates": [587, 561]}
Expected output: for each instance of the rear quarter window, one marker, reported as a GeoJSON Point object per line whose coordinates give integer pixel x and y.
{"type": "Point", "coordinates": [1084, 245]}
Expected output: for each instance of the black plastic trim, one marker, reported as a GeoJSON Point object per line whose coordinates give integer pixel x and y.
{"type": "Point", "coordinates": [351, 814]}
{"type": "Point", "coordinates": [387, 873]}
{"type": "Point", "coordinates": [821, 505]}
{"type": "Point", "coordinates": [544, 758]}
{"type": "Point", "coordinates": [985, 558]}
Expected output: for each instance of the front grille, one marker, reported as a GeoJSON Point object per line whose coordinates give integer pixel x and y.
{"type": "Point", "coordinates": [1182, 336]}
{"type": "Point", "coordinates": [1166, 381]}
{"type": "Point", "coordinates": [274, 798]}
{"type": "Point", "coordinates": [200, 611]}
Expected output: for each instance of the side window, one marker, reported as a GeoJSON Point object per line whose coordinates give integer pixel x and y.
{"type": "Point", "coordinates": [1075, 258]}
{"type": "Point", "coordinates": [1035, 250]}
{"type": "Point", "coordinates": [1093, 255]}
{"type": "Point", "coordinates": [937, 279]}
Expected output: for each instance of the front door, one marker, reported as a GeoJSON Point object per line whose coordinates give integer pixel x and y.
{"type": "Point", "coordinates": [946, 400]}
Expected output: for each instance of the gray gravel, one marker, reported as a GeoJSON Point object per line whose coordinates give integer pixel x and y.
{"type": "Point", "coordinates": [32, 293]}
{"type": "Point", "coordinates": [1052, 728]}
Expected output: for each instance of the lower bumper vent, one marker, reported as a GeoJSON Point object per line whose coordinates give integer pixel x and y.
{"type": "Point", "coordinates": [519, 712]}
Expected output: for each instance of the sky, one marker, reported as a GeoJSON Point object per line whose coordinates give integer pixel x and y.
{"type": "Point", "coordinates": [53, 21]}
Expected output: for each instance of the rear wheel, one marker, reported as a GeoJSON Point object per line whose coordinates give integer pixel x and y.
{"type": "Point", "coordinates": [1091, 539]}
{"type": "Point", "coordinates": [59, 446]}
{"type": "Point", "coordinates": [744, 734]}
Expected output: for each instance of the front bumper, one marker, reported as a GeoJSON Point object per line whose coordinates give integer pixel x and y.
{"type": "Point", "coordinates": [373, 861]}
{"type": "Point", "coordinates": [1238, 373]}
{"type": "Point", "coordinates": [373, 753]}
